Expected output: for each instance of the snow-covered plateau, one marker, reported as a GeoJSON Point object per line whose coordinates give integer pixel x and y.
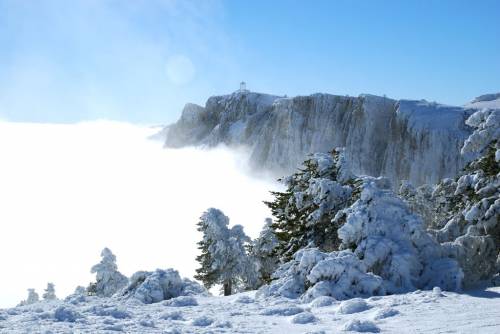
{"type": "Point", "coordinates": [432, 311]}
{"type": "Point", "coordinates": [413, 140]}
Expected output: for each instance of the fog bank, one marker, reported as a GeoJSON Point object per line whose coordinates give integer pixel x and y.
{"type": "Point", "coordinates": [67, 191]}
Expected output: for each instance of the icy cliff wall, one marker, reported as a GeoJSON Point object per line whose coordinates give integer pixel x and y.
{"type": "Point", "coordinates": [402, 140]}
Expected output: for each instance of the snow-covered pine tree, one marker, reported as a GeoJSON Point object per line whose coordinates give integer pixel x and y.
{"type": "Point", "coordinates": [463, 213]}
{"type": "Point", "coordinates": [50, 292]}
{"type": "Point", "coordinates": [32, 298]}
{"type": "Point", "coordinates": [384, 249]}
{"type": "Point", "coordinates": [263, 252]}
{"type": "Point", "coordinates": [108, 279]}
{"type": "Point", "coordinates": [305, 210]}
{"type": "Point", "coordinates": [223, 259]}
{"type": "Point", "coordinates": [471, 231]}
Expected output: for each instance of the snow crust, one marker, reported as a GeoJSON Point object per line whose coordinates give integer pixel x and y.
{"type": "Point", "coordinates": [421, 311]}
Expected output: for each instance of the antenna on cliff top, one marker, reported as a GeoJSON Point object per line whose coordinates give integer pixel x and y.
{"type": "Point", "coordinates": [243, 87]}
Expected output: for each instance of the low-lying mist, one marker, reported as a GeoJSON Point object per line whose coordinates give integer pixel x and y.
{"type": "Point", "coordinates": [67, 191]}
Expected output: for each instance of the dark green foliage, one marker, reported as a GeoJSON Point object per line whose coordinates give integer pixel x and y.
{"type": "Point", "coordinates": [487, 162]}
{"type": "Point", "coordinates": [205, 274]}
{"type": "Point", "coordinates": [294, 225]}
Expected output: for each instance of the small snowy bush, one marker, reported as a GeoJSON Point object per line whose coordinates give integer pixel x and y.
{"type": "Point", "coordinates": [50, 292]}
{"type": "Point", "coordinates": [32, 298]}
{"type": "Point", "coordinates": [66, 314]}
{"type": "Point", "coordinates": [108, 279]}
{"type": "Point", "coordinates": [159, 285]}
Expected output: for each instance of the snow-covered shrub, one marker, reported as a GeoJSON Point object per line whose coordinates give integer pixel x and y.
{"type": "Point", "coordinates": [263, 252]}
{"type": "Point", "coordinates": [304, 212]}
{"type": "Point", "coordinates": [32, 298]}
{"type": "Point", "coordinates": [393, 242]}
{"type": "Point", "coordinates": [313, 273]}
{"type": "Point", "coordinates": [159, 285]}
{"type": "Point", "coordinates": [108, 279]}
{"type": "Point", "coordinates": [223, 257]}
{"type": "Point", "coordinates": [50, 292]}
{"type": "Point", "coordinates": [67, 314]}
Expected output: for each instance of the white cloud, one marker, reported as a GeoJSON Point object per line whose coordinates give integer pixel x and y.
{"type": "Point", "coordinates": [67, 191]}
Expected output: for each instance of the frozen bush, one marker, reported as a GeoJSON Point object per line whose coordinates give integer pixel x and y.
{"type": "Point", "coordinates": [159, 285]}
{"type": "Point", "coordinates": [108, 279]}
{"type": "Point", "coordinates": [66, 314]}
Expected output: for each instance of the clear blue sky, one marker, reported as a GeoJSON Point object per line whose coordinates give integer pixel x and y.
{"type": "Point", "coordinates": [141, 61]}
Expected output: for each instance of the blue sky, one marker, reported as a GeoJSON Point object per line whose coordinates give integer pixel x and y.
{"type": "Point", "coordinates": [141, 61]}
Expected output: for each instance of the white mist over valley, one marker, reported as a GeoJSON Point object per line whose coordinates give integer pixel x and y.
{"type": "Point", "coordinates": [69, 190]}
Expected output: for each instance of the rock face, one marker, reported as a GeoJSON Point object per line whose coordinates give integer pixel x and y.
{"type": "Point", "coordinates": [417, 141]}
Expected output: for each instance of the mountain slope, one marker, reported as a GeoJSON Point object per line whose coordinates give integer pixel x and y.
{"type": "Point", "coordinates": [400, 139]}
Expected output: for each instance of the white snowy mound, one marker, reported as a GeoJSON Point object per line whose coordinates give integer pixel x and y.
{"type": "Point", "coordinates": [153, 287]}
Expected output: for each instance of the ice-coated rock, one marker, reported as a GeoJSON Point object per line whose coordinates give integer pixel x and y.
{"type": "Point", "coordinates": [402, 140]}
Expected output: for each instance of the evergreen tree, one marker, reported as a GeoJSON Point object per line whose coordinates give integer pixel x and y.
{"type": "Point", "coordinates": [305, 210]}
{"type": "Point", "coordinates": [464, 213]}
{"type": "Point", "coordinates": [263, 252]}
{"type": "Point", "coordinates": [108, 279]}
{"type": "Point", "coordinates": [223, 259]}
{"type": "Point", "coordinates": [50, 292]}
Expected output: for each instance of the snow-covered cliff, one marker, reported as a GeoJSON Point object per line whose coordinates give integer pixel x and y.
{"type": "Point", "coordinates": [490, 101]}
{"type": "Point", "coordinates": [400, 139]}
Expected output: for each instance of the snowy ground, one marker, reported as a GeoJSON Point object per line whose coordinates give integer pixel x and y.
{"type": "Point", "coordinates": [417, 312]}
